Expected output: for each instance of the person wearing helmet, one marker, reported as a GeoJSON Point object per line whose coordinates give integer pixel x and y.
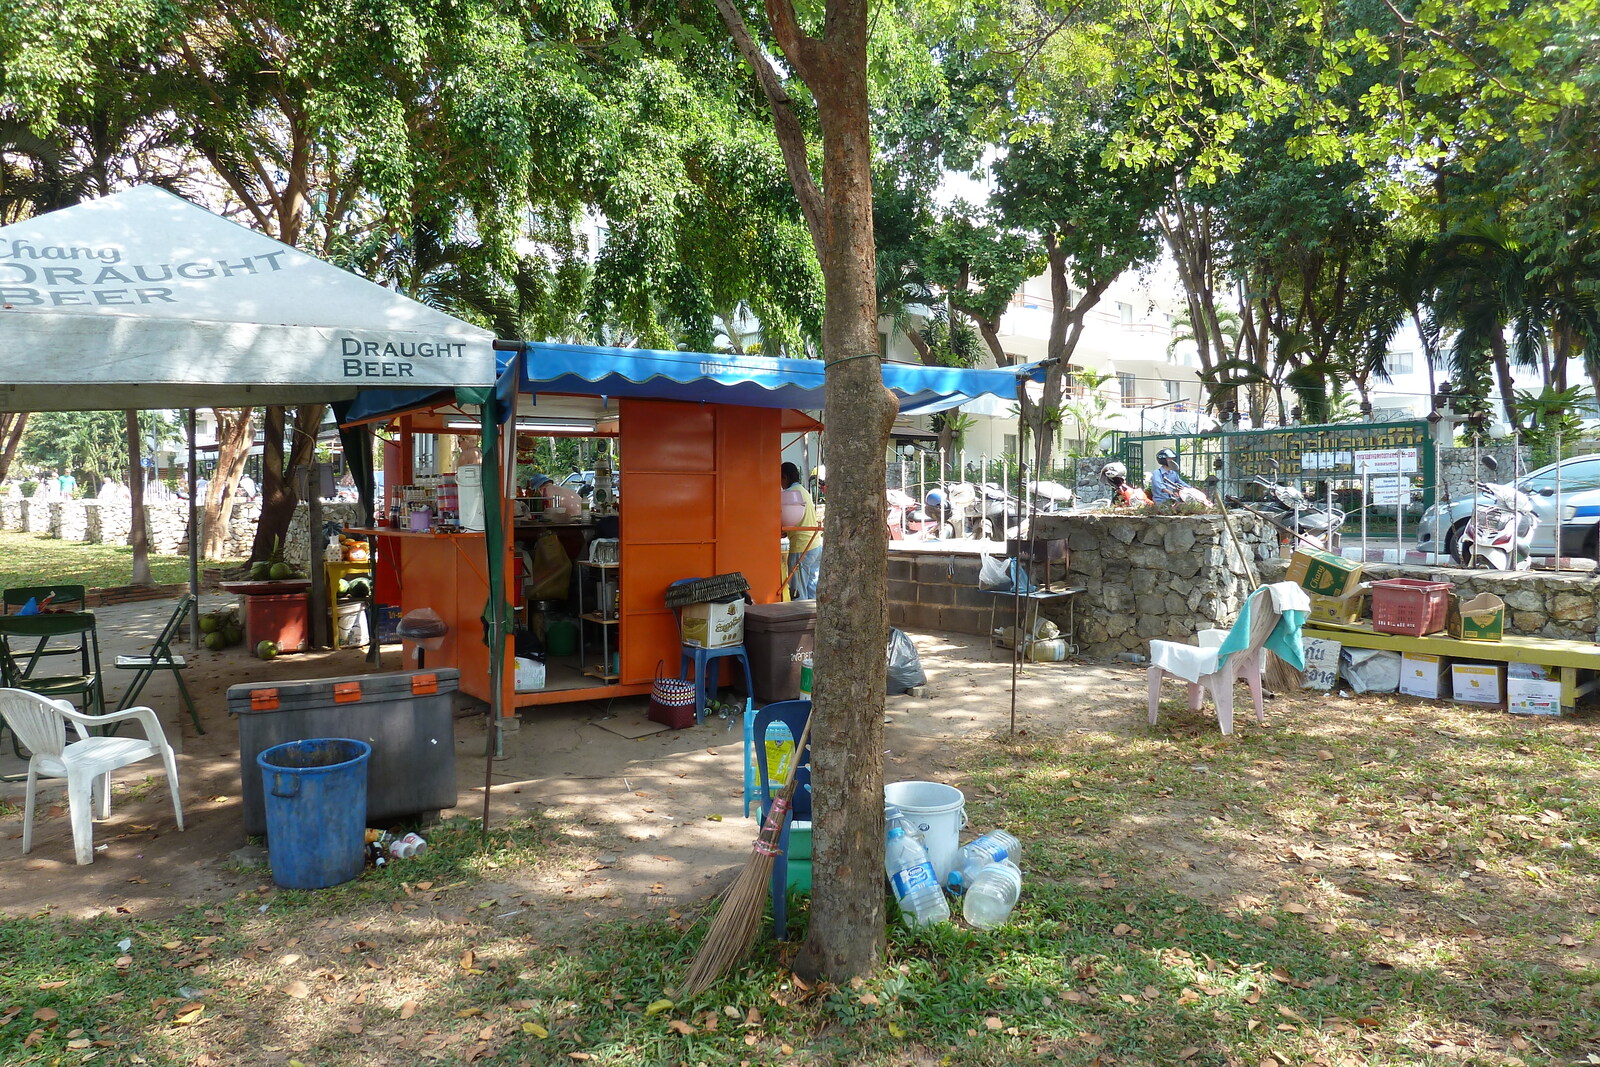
{"type": "Point", "coordinates": [1122, 494]}
{"type": "Point", "coordinates": [1166, 484]}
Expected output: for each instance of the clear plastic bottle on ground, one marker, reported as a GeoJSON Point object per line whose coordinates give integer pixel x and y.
{"type": "Point", "coordinates": [992, 894]}
{"type": "Point", "coordinates": [993, 847]}
{"type": "Point", "coordinates": [916, 887]}
{"type": "Point", "coordinates": [893, 816]}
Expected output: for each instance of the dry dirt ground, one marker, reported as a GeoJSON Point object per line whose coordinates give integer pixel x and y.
{"type": "Point", "coordinates": [645, 804]}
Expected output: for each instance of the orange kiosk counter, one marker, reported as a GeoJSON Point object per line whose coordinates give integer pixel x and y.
{"type": "Point", "coordinates": [698, 485]}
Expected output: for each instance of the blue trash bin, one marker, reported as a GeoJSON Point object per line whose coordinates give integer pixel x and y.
{"type": "Point", "coordinates": [316, 807]}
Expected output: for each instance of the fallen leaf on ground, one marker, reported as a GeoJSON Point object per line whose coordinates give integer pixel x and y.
{"type": "Point", "coordinates": [297, 989]}
{"type": "Point", "coordinates": [408, 1009]}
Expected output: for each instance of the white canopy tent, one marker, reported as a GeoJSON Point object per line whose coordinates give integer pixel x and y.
{"type": "Point", "coordinates": [144, 300]}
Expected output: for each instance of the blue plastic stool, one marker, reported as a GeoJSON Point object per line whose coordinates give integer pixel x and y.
{"type": "Point", "coordinates": [702, 659]}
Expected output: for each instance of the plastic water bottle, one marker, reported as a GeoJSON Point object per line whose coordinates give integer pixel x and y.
{"type": "Point", "coordinates": [996, 846]}
{"type": "Point", "coordinates": [992, 894]}
{"type": "Point", "coordinates": [893, 816]}
{"type": "Point", "coordinates": [916, 887]}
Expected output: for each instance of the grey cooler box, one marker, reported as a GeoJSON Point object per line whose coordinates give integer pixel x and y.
{"type": "Point", "coordinates": [406, 716]}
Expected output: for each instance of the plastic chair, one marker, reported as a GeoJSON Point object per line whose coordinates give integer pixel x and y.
{"type": "Point", "coordinates": [161, 659]}
{"type": "Point", "coordinates": [42, 725]}
{"type": "Point", "coordinates": [75, 630]}
{"type": "Point", "coordinates": [1271, 618]}
{"type": "Point", "coordinates": [65, 597]}
{"type": "Point", "coordinates": [793, 714]}
{"type": "Point", "coordinates": [705, 684]}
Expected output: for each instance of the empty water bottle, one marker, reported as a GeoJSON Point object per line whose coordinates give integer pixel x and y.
{"type": "Point", "coordinates": [893, 816]}
{"type": "Point", "coordinates": [993, 847]}
{"type": "Point", "coordinates": [916, 887]}
{"type": "Point", "coordinates": [992, 894]}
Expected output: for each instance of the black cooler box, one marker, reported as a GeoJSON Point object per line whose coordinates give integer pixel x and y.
{"type": "Point", "coordinates": [406, 716]}
{"type": "Point", "coordinates": [777, 637]}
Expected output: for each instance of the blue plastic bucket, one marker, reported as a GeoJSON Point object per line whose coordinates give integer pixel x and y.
{"type": "Point", "coordinates": [316, 806]}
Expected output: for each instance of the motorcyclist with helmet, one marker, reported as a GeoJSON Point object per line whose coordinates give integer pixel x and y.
{"type": "Point", "coordinates": [1166, 483]}
{"type": "Point", "coordinates": [1122, 494]}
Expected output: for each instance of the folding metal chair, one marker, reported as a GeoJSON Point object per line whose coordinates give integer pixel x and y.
{"type": "Point", "coordinates": [162, 659]}
{"type": "Point", "coordinates": [74, 630]}
{"type": "Point", "coordinates": [60, 598]}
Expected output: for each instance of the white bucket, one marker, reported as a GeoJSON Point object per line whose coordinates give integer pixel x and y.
{"type": "Point", "coordinates": [939, 811]}
{"type": "Point", "coordinates": [352, 622]}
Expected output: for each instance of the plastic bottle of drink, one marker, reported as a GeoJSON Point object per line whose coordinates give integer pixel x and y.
{"type": "Point", "coordinates": [992, 894]}
{"type": "Point", "coordinates": [993, 847]}
{"type": "Point", "coordinates": [916, 887]}
{"type": "Point", "coordinates": [893, 816]}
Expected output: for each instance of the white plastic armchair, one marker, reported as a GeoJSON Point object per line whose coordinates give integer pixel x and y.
{"type": "Point", "coordinates": [41, 724]}
{"type": "Point", "coordinates": [1220, 658]}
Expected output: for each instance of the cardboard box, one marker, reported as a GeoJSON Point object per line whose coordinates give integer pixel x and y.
{"type": "Point", "coordinates": [1350, 608]}
{"type": "Point", "coordinates": [1322, 662]}
{"type": "Point", "coordinates": [1529, 670]}
{"type": "Point", "coordinates": [1422, 675]}
{"type": "Point", "coordinates": [1483, 618]}
{"type": "Point", "coordinates": [1478, 683]}
{"type": "Point", "coordinates": [714, 625]}
{"type": "Point", "coordinates": [1323, 572]}
{"type": "Point", "coordinates": [1533, 696]}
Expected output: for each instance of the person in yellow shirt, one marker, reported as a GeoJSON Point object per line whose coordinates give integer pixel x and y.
{"type": "Point", "coordinates": [805, 546]}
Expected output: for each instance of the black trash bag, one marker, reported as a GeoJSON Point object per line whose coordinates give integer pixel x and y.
{"type": "Point", "coordinates": [526, 645]}
{"type": "Point", "coordinates": [905, 666]}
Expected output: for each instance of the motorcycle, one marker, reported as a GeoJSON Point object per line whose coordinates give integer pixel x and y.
{"type": "Point", "coordinates": [1287, 508]}
{"type": "Point", "coordinates": [909, 522]}
{"type": "Point", "coordinates": [1500, 534]}
{"type": "Point", "coordinates": [1050, 497]}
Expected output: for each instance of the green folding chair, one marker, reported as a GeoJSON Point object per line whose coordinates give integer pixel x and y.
{"type": "Point", "coordinates": [59, 597]}
{"type": "Point", "coordinates": [25, 639]}
{"type": "Point", "coordinates": [161, 658]}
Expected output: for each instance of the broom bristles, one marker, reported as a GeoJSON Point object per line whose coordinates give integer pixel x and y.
{"type": "Point", "coordinates": [733, 932]}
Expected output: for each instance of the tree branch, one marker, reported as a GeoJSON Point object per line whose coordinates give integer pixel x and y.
{"type": "Point", "coordinates": [791, 138]}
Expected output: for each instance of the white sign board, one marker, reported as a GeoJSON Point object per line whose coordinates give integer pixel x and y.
{"type": "Point", "coordinates": [1392, 490]}
{"type": "Point", "coordinates": [1386, 461]}
{"type": "Point", "coordinates": [1322, 663]}
{"type": "Point", "coordinates": [1324, 461]}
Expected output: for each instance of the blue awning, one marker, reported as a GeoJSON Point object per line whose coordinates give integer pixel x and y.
{"type": "Point", "coordinates": [750, 381]}
{"type": "Point", "coordinates": [708, 378]}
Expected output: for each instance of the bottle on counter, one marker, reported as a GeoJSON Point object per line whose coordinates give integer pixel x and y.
{"type": "Point", "coordinates": [916, 887]}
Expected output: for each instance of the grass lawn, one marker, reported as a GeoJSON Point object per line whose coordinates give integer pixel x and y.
{"type": "Point", "coordinates": [1369, 881]}
{"type": "Point", "coordinates": [35, 559]}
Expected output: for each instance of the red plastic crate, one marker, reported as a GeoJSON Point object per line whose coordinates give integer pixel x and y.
{"type": "Point", "coordinates": [1410, 606]}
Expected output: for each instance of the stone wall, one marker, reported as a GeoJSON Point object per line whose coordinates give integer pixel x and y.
{"type": "Point", "coordinates": [1456, 467]}
{"type": "Point", "coordinates": [1538, 603]}
{"type": "Point", "coordinates": [166, 522]}
{"type": "Point", "coordinates": [1151, 576]}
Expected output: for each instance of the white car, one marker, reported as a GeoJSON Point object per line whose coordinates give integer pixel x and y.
{"type": "Point", "coordinates": [1580, 506]}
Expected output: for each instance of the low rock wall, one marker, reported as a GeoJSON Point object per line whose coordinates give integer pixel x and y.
{"type": "Point", "coordinates": [1538, 603]}
{"type": "Point", "coordinates": [166, 523]}
{"type": "Point", "coordinates": [1151, 576]}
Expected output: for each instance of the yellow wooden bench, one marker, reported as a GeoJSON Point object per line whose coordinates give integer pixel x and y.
{"type": "Point", "coordinates": [1569, 657]}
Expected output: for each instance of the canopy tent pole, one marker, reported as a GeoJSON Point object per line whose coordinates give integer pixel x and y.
{"type": "Point", "coordinates": [194, 543]}
{"type": "Point", "coordinates": [496, 468]}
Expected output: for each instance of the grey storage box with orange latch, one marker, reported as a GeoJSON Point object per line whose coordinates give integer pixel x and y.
{"type": "Point", "coordinates": [407, 717]}
{"type": "Point", "coordinates": [777, 638]}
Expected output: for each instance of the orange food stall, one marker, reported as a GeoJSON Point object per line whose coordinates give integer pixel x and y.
{"type": "Point", "coordinates": [698, 441]}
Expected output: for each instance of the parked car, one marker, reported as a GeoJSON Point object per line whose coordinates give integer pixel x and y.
{"type": "Point", "coordinates": [1580, 506]}
{"type": "Point", "coordinates": [582, 483]}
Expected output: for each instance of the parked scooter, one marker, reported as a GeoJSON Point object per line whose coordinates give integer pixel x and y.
{"type": "Point", "coordinates": [908, 522]}
{"type": "Point", "coordinates": [1050, 497]}
{"type": "Point", "coordinates": [1499, 535]}
{"type": "Point", "coordinates": [1287, 508]}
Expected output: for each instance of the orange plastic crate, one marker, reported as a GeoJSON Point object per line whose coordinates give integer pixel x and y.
{"type": "Point", "coordinates": [1410, 606]}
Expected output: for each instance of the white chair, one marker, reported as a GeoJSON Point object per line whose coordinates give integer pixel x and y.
{"type": "Point", "coordinates": [1272, 617]}
{"type": "Point", "coordinates": [41, 723]}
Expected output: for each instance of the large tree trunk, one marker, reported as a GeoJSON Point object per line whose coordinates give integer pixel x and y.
{"type": "Point", "coordinates": [138, 535]}
{"type": "Point", "coordinates": [846, 936]}
{"type": "Point", "coordinates": [234, 438]}
{"type": "Point", "coordinates": [11, 427]}
{"type": "Point", "coordinates": [278, 496]}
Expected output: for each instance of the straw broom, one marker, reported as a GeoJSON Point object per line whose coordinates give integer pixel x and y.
{"type": "Point", "coordinates": [733, 932]}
